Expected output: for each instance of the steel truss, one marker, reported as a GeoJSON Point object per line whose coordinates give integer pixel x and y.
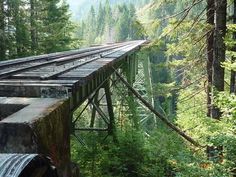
{"type": "Point", "coordinates": [101, 109]}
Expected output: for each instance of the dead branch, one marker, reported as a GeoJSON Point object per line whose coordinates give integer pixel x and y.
{"type": "Point", "coordinates": [160, 116]}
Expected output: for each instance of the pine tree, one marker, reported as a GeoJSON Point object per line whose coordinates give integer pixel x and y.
{"type": "Point", "coordinates": [33, 26]}
{"type": "Point", "coordinates": [56, 30]}
{"type": "Point", "coordinates": [132, 21]}
{"type": "Point", "coordinates": [21, 29]}
{"type": "Point", "coordinates": [210, 41]}
{"type": "Point", "coordinates": [2, 31]}
{"type": "Point", "coordinates": [123, 23]}
{"type": "Point", "coordinates": [219, 51]}
{"type": "Point", "coordinates": [8, 30]}
{"type": "Point", "coordinates": [81, 30]}
{"type": "Point", "coordinates": [100, 20]}
{"type": "Point", "coordinates": [91, 30]}
{"type": "Point", "coordinates": [108, 21]}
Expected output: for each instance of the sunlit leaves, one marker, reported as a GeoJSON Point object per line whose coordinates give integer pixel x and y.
{"type": "Point", "coordinates": [230, 66]}
{"type": "Point", "coordinates": [227, 103]}
{"type": "Point", "coordinates": [229, 41]}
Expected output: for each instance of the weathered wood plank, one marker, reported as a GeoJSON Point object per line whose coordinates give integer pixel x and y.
{"type": "Point", "coordinates": [80, 81]}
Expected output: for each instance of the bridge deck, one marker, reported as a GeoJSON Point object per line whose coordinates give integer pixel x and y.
{"type": "Point", "coordinates": [77, 72]}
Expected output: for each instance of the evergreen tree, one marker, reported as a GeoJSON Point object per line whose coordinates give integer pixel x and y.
{"type": "Point", "coordinates": [81, 30]}
{"type": "Point", "coordinates": [108, 21]}
{"type": "Point", "coordinates": [21, 29]}
{"type": "Point", "coordinates": [210, 42]}
{"type": "Point", "coordinates": [91, 27]}
{"type": "Point", "coordinates": [123, 23]}
{"type": "Point", "coordinates": [132, 20]}
{"type": "Point", "coordinates": [219, 50]}
{"type": "Point", "coordinates": [100, 20]}
{"type": "Point", "coordinates": [180, 75]}
{"type": "Point", "coordinates": [112, 23]}
{"type": "Point", "coordinates": [2, 31]}
{"type": "Point", "coordinates": [10, 29]}
{"type": "Point", "coordinates": [56, 31]}
{"type": "Point", "coordinates": [33, 26]}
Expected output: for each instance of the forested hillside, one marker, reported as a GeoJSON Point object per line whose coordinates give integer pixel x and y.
{"type": "Point", "coordinates": [192, 85]}
{"type": "Point", "coordinates": [178, 118]}
{"type": "Point", "coordinates": [81, 8]}
{"type": "Point", "coordinates": [34, 27]}
{"type": "Point", "coordinates": [109, 22]}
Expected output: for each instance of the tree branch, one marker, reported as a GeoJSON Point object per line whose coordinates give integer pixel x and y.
{"type": "Point", "coordinates": [160, 116]}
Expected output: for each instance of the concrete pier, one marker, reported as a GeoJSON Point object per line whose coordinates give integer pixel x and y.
{"type": "Point", "coordinates": [36, 125]}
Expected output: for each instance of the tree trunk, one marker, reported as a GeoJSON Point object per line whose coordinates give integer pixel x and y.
{"type": "Point", "coordinates": [233, 73]}
{"type": "Point", "coordinates": [33, 27]}
{"type": "Point", "coordinates": [2, 31]}
{"type": "Point", "coordinates": [18, 31]}
{"type": "Point", "coordinates": [219, 51]}
{"type": "Point", "coordinates": [210, 42]}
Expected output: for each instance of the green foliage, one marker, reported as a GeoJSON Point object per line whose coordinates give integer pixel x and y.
{"type": "Point", "coordinates": [109, 159]}
{"type": "Point", "coordinates": [110, 23]}
{"type": "Point", "coordinates": [127, 155]}
{"type": "Point", "coordinates": [162, 154]}
{"type": "Point", "coordinates": [192, 118]}
{"type": "Point", "coordinates": [230, 66]}
{"type": "Point", "coordinates": [229, 41]}
{"type": "Point", "coordinates": [178, 59]}
{"type": "Point", "coordinates": [227, 103]}
{"type": "Point", "coordinates": [163, 89]}
{"type": "Point", "coordinates": [34, 27]}
{"type": "Point", "coordinates": [182, 40]}
{"type": "Point", "coordinates": [57, 27]}
{"type": "Point", "coordinates": [81, 8]}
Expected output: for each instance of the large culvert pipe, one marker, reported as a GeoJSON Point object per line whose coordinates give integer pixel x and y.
{"type": "Point", "coordinates": [26, 165]}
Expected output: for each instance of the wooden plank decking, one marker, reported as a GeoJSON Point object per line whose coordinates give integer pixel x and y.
{"type": "Point", "coordinates": [73, 74]}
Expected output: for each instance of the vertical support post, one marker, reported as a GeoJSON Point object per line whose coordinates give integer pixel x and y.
{"type": "Point", "coordinates": [130, 75]}
{"type": "Point", "coordinates": [147, 79]}
{"type": "Point", "coordinates": [148, 82]}
{"type": "Point", "coordinates": [136, 59]}
{"type": "Point", "coordinates": [94, 110]}
{"type": "Point", "coordinates": [130, 69]}
{"type": "Point", "coordinates": [134, 66]}
{"type": "Point", "coordinates": [111, 126]}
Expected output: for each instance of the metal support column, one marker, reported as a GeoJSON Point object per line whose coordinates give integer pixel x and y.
{"type": "Point", "coordinates": [94, 110]}
{"type": "Point", "coordinates": [111, 126]}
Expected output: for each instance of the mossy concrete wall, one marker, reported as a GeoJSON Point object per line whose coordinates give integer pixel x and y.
{"type": "Point", "coordinates": [42, 126]}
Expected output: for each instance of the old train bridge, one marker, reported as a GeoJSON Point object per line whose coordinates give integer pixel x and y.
{"type": "Point", "coordinates": [38, 96]}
